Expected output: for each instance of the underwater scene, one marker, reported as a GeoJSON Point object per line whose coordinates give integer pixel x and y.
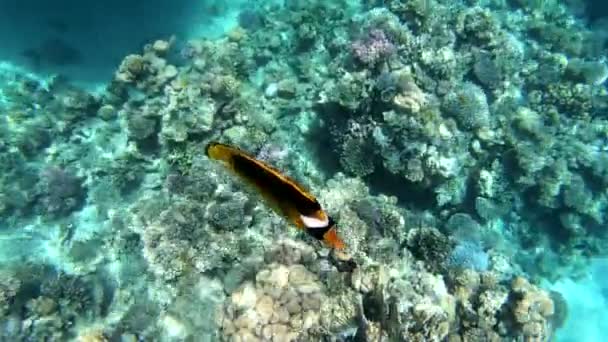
{"type": "Point", "coordinates": [304, 170]}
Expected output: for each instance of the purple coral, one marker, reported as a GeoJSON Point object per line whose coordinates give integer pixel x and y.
{"type": "Point", "coordinates": [373, 48]}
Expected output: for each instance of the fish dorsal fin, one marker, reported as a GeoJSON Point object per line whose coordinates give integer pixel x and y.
{"type": "Point", "coordinates": [227, 153]}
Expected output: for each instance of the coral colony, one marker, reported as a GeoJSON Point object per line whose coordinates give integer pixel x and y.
{"type": "Point", "coordinates": [461, 148]}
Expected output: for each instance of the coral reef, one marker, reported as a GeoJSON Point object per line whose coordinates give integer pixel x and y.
{"type": "Point", "coordinates": [282, 305]}
{"type": "Point", "coordinates": [177, 240]}
{"type": "Point", "coordinates": [373, 48]}
{"type": "Point", "coordinates": [8, 289]}
{"type": "Point", "coordinates": [468, 104]}
{"type": "Point", "coordinates": [520, 310]}
{"type": "Point", "coordinates": [61, 192]}
{"type": "Point", "coordinates": [469, 255]}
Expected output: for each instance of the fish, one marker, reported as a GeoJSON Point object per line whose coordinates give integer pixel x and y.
{"type": "Point", "coordinates": [55, 52]}
{"type": "Point", "coordinates": [283, 194]}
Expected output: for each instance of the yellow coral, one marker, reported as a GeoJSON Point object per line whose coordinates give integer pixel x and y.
{"type": "Point", "coordinates": [237, 34]}
{"type": "Point", "coordinates": [131, 68]}
{"type": "Point", "coordinates": [91, 336]}
{"type": "Point", "coordinates": [225, 85]}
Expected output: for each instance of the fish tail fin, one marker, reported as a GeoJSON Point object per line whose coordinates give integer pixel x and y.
{"type": "Point", "coordinates": [332, 239]}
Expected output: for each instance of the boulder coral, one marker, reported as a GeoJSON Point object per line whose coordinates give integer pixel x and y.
{"type": "Point", "coordinates": [282, 304]}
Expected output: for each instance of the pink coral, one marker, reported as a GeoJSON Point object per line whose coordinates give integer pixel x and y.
{"type": "Point", "coordinates": [374, 48]}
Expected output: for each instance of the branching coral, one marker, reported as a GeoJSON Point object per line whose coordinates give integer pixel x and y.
{"type": "Point", "coordinates": [171, 241]}
{"type": "Point", "coordinates": [74, 296]}
{"type": "Point", "coordinates": [51, 304]}
{"type": "Point", "coordinates": [430, 246]}
{"type": "Point", "coordinates": [357, 156]}
{"type": "Point", "coordinates": [9, 285]}
{"type": "Point", "coordinates": [190, 236]}
{"type": "Point", "coordinates": [374, 48]}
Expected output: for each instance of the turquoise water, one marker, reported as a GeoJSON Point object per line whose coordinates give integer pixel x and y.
{"type": "Point", "coordinates": [461, 147]}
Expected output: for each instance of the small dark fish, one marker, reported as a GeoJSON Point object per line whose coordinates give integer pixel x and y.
{"type": "Point", "coordinates": [282, 193]}
{"type": "Point", "coordinates": [53, 52]}
{"type": "Point", "coordinates": [33, 57]}
{"type": "Point", "coordinates": [580, 245]}
{"type": "Point", "coordinates": [58, 25]}
{"type": "Point", "coordinates": [604, 292]}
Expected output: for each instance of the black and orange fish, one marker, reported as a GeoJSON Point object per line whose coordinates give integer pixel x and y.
{"type": "Point", "coordinates": [283, 194]}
